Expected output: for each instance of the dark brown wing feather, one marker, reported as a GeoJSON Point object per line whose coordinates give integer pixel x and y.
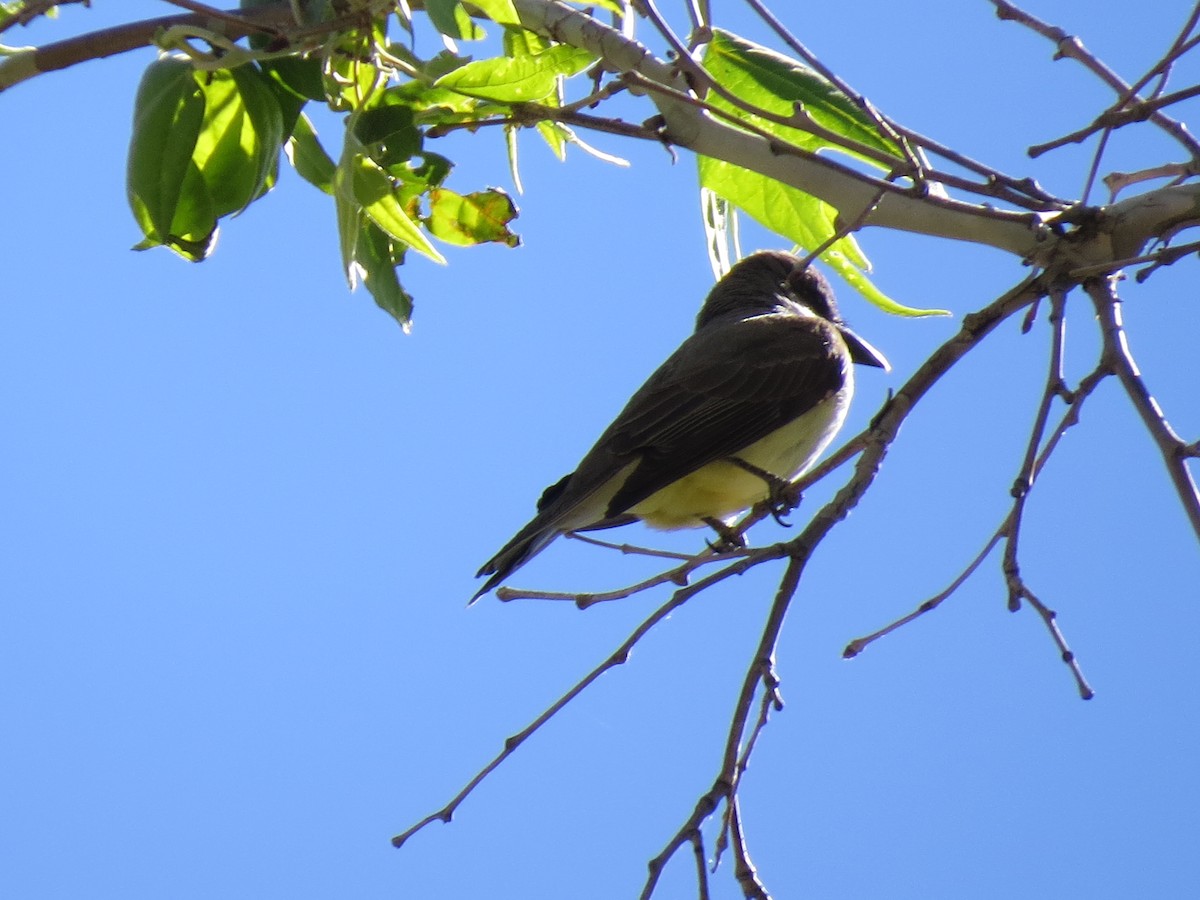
{"type": "Point", "coordinates": [773, 368]}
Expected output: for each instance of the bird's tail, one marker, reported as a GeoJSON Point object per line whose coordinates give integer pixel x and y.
{"type": "Point", "coordinates": [528, 543]}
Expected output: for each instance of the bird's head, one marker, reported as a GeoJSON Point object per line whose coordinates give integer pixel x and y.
{"type": "Point", "coordinates": [772, 280]}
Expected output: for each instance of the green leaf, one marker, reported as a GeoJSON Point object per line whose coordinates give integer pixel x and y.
{"type": "Point", "coordinates": [857, 280]}
{"type": "Point", "coordinates": [556, 137]}
{"type": "Point", "coordinates": [205, 145]}
{"type": "Point", "coordinates": [500, 11]}
{"type": "Point", "coordinates": [350, 222]}
{"type": "Point", "coordinates": [774, 82]}
{"type": "Point", "coordinates": [475, 218]}
{"type": "Point", "coordinates": [348, 81]}
{"type": "Point", "coordinates": [299, 74]}
{"type": "Point", "coordinates": [267, 133]}
{"type": "Point", "coordinates": [388, 131]}
{"type": "Point", "coordinates": [370, 256]}
{"type": "Point", "coordinates": [309, 158]}
{"type": "Point", "coordinates": [194, 226]}
{"type": "Point", "coordinates": [519, 80]}
{"type": "Point", "coordinates": [237, 150]}
{"type": "Point", "coordinates": [361, 180]}
{"type": "Point", "coordinates": [521, 42]}
{"type": "Point", "coordinates": [449, 17]}
{"type": "Point", "coordinates": [800, 217]}
{"type": "Point", "coordinates": [415, 178]}
{"type": "Point", "coordinates": [167, 117]}
{"type": "Point", "coordinates": [377, 256]}
{"type": "Point", "coordinates": [433, 169]}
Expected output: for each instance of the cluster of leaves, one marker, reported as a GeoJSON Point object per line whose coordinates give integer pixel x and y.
{"type": "Point", "coordinates": [769, 91]}
{"type": "Point", "coordinates": [209, 130]}
{"type": "Point", "coordinates": [210, 127]}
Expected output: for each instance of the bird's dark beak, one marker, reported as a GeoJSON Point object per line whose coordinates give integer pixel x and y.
{"type": "Point", "coordinates": [862, 352]}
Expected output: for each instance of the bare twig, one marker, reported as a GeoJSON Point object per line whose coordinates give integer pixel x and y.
{"type": "Point", "coordinates": [1038, 451]}
{"type": "Point", "coordinates": [697, 838]}
{"type": "Point", "coordinates": [916, 165]}
{"type": "Point", "coordinates": [1049, 619]}
{"type": "Point", "coordinates": [769, 699]}
{"type": "Point", "coordinates": [1118, 356]}
{"type": "Point", "coordinates": [619, 657]}
{"type": "Point", "coordinates": [744, 870]}
{"type": "Point", "coordinates": [725, 784]}
{"type": "Point", "coordinates": [1055, 388]}
{"type": "Point", "coordinates": [1071, 47]}
{"type": "Point", "coordinates": [629, 549]}
{"type": "Point", "coordinates": [859, 644]}
{"type": "Point", "coordinates": [1163, 257]}
{"type": "Point", "coordinates": [1118, 181]}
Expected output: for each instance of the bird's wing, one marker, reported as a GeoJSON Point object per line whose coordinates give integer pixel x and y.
{"type": "Point", "coordinates": [725, 388]}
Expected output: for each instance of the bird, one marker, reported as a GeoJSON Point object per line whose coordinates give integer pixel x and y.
{"type": "Point", "coordinates": [746, 404]}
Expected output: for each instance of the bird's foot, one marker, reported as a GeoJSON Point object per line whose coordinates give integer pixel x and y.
{"type": "Point", "coordinates": [781, 493]}
{"type": "Point", "coordinates": [729, 538]}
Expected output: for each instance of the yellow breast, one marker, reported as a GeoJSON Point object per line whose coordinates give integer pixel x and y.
{"type": "Point", "coordinates": [721, 488]}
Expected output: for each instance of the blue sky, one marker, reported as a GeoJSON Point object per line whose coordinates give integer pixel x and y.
{"type": "Point", "coordinates": [241, 514]}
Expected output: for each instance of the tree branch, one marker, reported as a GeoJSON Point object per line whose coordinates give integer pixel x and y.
{"type": "Point", "coordinates": [1117, 355]}
{"type": "Point", "coordinates": [27, 62]}
{"type": "Point", "coordinates": [847, 190]}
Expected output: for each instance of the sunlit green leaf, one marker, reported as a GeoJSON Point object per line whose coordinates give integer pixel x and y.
{"type": "Point", "coordinates": [350, 220]}
{"type": "Point", "coordinates": [475, 218]}
{"type": "Point", "coordinates": [856, 279]}
{"type": "Point", "coordinates": [555, 136]}
{"type": "Point", "coordinates": [522, 42]}
{"type": "Point", "coordinates": [299, 74]}
{"type": "Point", "coordinates": [801, 218]}
{"type": "Point", "coordinates": [500, 11]}
{"type": "Point", "coordinates": [774, 82]}
{"type": "Point", "coordinates": [194, 226]}
{"type": "Point", "coordinates": [168, 113]}
{"type": "Point", "coordinates": [349, 81]}
{"type": "Point", "coordinates": [387, 129]}
{"type": "Point", "coordinates": [449, 17]}
{"type": "Point", "coordinates": [370, 187]}
{"type": "Point", "coordinates": [378, 258]}
{"type": "Point", "coordinates": [309, 158]}
{"type": "Point", "coordinates": [433, 168]}
{"type": "Point", "coordinates": [524, 79]}
{"type": "Point", "coordinates": [266, 136]}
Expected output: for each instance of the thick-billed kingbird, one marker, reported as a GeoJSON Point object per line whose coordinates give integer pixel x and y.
{"type": "Point", "coordinates": [747, 403]}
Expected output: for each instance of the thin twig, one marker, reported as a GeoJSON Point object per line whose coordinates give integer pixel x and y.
{"type": "Point", "coordinates": [744, 870]}
{"type": "Point", "coordinates": [1118, 356]}
{"type": "Point", "coordinates": [628, 549]}
{"type": "Point", "coordinates": [1050, 620]}
{"type": "Point", "coordinates": [1071, 47]}
{"type": "Point", "coordinates": [859, 644]}
{"type": "Point", "coordinates": [725, 784]}
{"type": "Point", "coordinates": [1055, 388]}
{"type": "Point", "coordinates": [702, 890]}
{"type": "Point", "coordinates": [770, 699]}
{"type": "Point", "coordinates": [916, 165]}
{"type": "Point", "coordinates": [618, 657]}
